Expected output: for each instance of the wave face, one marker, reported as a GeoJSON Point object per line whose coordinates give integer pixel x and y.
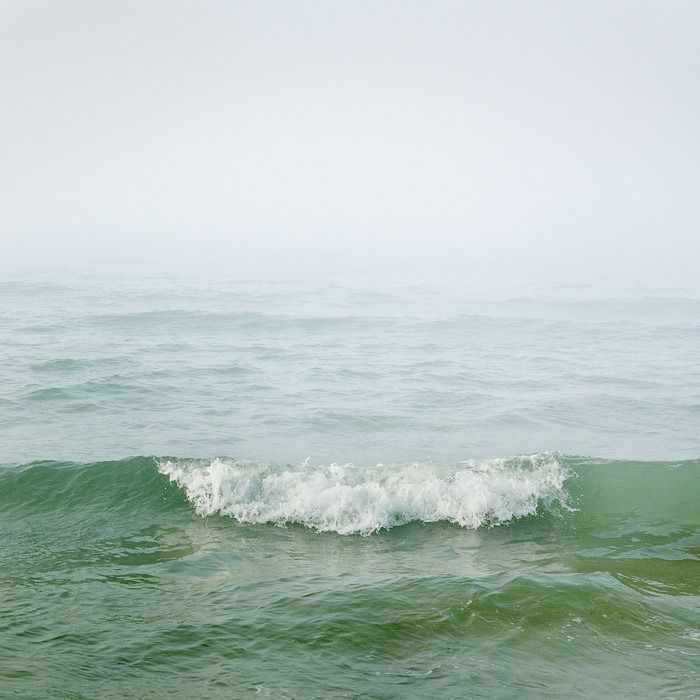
{"type": "Point", "coordinates": [349, 499]}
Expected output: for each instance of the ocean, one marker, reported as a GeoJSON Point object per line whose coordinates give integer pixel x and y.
{"type": "Point", "coordinates": [231, 484]}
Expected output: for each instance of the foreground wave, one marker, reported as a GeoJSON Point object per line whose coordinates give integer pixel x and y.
{"type": "Point", "coordinates": [350, 499]}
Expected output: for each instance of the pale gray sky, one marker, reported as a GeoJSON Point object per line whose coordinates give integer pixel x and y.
{"type": "Point", "coordinates": [470, 132]}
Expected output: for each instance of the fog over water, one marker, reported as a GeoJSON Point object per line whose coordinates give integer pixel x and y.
{"type": "Point", "coordinates": [320, 136]}
{"type": "Point", "coordinates": [349, 349]}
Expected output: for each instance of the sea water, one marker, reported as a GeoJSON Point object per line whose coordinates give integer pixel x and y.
{"type": "Point", "coordinates": [228, 484]}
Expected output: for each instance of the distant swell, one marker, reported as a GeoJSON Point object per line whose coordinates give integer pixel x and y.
{"type": "Point", "coordinates": [362, 500]}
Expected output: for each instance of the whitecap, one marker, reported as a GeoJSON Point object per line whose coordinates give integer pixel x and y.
{"type": "Point", "coordinates": [350, 499]}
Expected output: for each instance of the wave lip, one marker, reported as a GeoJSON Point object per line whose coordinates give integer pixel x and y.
{"type": "Point", "coordinates": [350, 499]}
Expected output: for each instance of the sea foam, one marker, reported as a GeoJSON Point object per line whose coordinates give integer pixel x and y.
{"type": "Point", "coordinates": [350, 499]}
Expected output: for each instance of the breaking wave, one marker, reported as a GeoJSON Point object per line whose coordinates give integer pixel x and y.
{"type": "Point", "coordinates": [350, 499]}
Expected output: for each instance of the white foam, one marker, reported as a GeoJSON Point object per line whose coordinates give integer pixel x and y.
{"type": "Point", "coordinates": [350, 499]}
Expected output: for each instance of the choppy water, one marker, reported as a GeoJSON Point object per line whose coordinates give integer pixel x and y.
{"type": "Point", "coordinates": [332, 502]}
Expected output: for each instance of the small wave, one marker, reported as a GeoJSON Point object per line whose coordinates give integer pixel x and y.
{"type": "Point", "coordinates": [349, 499]}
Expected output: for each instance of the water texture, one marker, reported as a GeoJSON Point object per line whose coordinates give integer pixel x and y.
{"type": "Point", "coordinates": [351, 488]}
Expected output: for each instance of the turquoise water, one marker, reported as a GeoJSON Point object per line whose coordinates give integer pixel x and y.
{"type": "Point", "coordinates": [349, 488]}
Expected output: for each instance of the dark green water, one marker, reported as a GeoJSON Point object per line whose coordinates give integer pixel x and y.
{"type": "Point", "coordinates": [112, 586]}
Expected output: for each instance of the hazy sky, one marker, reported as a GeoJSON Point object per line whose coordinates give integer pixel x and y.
{"type": "Point", "coordinates": [470, 132]}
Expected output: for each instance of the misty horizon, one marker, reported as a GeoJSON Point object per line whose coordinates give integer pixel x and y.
{"type": "Point", "coordinates": [393, 134]}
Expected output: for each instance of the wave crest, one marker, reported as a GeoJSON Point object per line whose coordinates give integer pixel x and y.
{"type": "Point", "coordinates": [350, 499]}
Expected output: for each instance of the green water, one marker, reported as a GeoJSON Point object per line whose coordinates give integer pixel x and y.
{"type": "Point", "coordinates": [112, 586]}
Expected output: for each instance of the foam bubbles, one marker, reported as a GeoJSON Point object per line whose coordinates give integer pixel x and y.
{"type": "Point", "coordinates": [350, 499]}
